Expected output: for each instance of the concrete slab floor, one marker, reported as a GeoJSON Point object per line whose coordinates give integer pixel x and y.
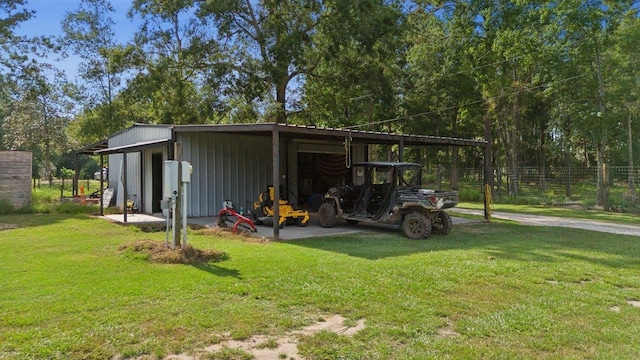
{"type": "Point", "coordinates": [289, 232]}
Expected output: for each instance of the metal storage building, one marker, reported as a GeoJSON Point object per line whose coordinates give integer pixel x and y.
{"type": "Point", "coordinates": [237, 161]}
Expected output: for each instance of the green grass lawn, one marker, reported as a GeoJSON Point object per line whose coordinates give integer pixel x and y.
{"type": "Point", "coordinates": [499, 290]}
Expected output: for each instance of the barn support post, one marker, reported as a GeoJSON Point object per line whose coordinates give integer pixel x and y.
{"type": "Point", "coordinates": [124, 180]}
{"type": "Point", "coordinates": [276, 181]}
{"type": "Point", "coordinates": [401, 149]}
{"type": "Point", "coordinates": [101, 185]}
{"type": "Point", "coordinates": [75, 175]}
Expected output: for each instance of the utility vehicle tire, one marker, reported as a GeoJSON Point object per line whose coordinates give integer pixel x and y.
{"type": "Point", "coordinates": [416, 226]}
{"type": "Point", "coordinates": [256, 214]}
{"type": "Point", "coordinates": [442, 223]}
{"type": "Point", "coordinates": [300, 223]}
{"type": "Point", "coordinates": [327, 215]}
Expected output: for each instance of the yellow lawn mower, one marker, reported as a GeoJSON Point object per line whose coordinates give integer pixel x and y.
{"type": "Point", "coordinates": [263, 210]}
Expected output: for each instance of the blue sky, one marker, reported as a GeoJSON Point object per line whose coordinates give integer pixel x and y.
{"type": "Point", "coordinates": [49, 15]}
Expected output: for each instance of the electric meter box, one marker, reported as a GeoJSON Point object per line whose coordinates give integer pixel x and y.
{"type": "Point", "coordinates": [187, 170]}
{"type": "Point", "coordinates": [171, 182]}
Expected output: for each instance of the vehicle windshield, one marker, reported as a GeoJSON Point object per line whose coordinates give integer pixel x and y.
{"type": "Point", "coordinates": [381, 175]}
{"type": "Point", "coordinates": [409, 177]}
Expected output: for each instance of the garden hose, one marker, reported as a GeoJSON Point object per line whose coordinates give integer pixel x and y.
{"type": "Point", "coordinates": [488, 202]}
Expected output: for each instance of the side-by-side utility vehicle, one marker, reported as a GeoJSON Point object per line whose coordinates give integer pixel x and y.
{"type": "Point", "coordinates": [389, 193]}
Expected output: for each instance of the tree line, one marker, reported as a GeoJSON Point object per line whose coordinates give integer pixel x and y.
{"type": "Point", "coordinates": [547, 83]}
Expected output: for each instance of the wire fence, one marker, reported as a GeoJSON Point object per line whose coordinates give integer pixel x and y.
{"type": "Point", "coordinates": [550, 186]}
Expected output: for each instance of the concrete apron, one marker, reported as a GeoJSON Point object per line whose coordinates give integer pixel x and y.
{"type": "Point", "coordinates": [289, 232]}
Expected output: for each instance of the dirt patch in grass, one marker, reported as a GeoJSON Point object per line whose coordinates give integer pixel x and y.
{"type": "Point", "coordinates": [263, 347]}
{"type": "Point", "coordinates": [634, 303]}
{"type": "Point", "coordinates": [158, 252]}
{"type": "Point", "coordinates": [448, 331]}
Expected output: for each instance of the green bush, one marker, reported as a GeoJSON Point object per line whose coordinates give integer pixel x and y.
{"type": "Point", "coordinates": [470, 195]}
{"type": "Point", "coordinates": [6, 207]}
{"type": "Point", "coordinates": [46, 200]}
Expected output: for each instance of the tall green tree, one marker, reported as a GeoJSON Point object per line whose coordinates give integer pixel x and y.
{"type": "Point", "coordinates": [38, 119]}
{"type": "Point", "coordinates": [359, 54]}
{"type": "Point", "coordinates": [176, 64]}
{"type": "Point", "coordinates": [88, 32]}
{"type": "Point", "coordinates": [587, 29]}
{"type": "Point", "coordinates": [439, 91]}
{"type": "Point", "coordinates": [266, 43]}
{"type": "Point", "coordinates": [625, 89]}
{"type": "Point", "coordinates": [16, 53]}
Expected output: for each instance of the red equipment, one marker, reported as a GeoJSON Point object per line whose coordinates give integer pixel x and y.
{"type": "Point", "coordinates": [223, 217]}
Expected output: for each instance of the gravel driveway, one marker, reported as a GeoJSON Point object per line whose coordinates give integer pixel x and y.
{"type": "Point", "coordinates": [539, 220]}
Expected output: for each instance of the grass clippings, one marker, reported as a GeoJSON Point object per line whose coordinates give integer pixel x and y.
{"type": "Point", "coordinates": [158, 252]}
{"type": "Point", "coordinates": [243, 235]}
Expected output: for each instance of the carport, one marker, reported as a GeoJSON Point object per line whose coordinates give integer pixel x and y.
{"type": "Point", "coordinates": [277, 136]}
{"type": "Point", "coordinates": [282, 133]}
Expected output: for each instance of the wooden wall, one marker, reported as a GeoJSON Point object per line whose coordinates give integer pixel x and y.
{"type": "Point", "coordinates": [15, 177]}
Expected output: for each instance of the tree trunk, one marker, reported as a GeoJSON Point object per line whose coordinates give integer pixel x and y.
{"type": "Point", "coordinates": [281, 100]}
{"type": "Point", "coordinates": [602, 194]}
{"type": "Point", "coordinates": [488, 152]}
{"type": "Point", "coordinates": [455, 158]}
{"type": "Point", "coordinates": [542, 164]}
{"type": "Point", "coordinates": [632, 180]}
{"type": "Point", "coordinates": [567, 157]}
{"type": "Point", "coordinates": [510, 141]}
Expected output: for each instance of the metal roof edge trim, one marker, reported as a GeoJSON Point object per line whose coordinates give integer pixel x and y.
{"type": "Point", "coordinates": [132, 147]}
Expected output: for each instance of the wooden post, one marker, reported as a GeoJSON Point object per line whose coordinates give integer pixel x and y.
{"type": "Point", "coordinates": [101, 185]}
{"type": "Point", "coordinates": [276, 182]}
{"type": "Point", "coordinates": [124, 180]}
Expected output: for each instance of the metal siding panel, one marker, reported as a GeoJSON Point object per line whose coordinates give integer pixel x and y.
{"type": "Point", "coordinates": [145, 201]}
{"type": "Point", "coordinates": [235, 167]}
{"type": "Point", "coordinates": [219, 170]}
{"type": "Point", "coordinates": [199, 178]}
{"type": "Point", "coordinates": [203, 189]}
{"type": "Point", "coordinates": [194, 186]}
{"type": "Point", "coordinates": [134, 175]}
{"type": "Point", "coordinates": [113, 163]}
{"type": "Point", "coordinates": [187, 154]}
{"type": "Point", "coordinates": [139, 133]}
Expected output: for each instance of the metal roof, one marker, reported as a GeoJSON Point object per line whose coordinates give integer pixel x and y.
{"type": "Point", "coordinates": [315, 132]}
{"type": "Point", "coordinates": [92, 148]}
{"type": "Point", "coordinates": [132, 147]}
{"type": "Point", "coordinates": [387, 164]}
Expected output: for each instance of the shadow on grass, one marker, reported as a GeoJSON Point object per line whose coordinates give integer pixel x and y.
{"type": "Point", "coordinates": [495, 240]}
{"type": "Point", "coordinates": [218, 271]}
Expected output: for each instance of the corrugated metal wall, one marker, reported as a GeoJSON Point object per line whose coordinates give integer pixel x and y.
{"type": "Point", "coordinates": [134, 176]}
{"type": "Point", "coordinates": [139, 133]}
{"type": "Point", "coordinates": [225, 166]}
{"type": "Point", "coordinates": [132, 135]}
